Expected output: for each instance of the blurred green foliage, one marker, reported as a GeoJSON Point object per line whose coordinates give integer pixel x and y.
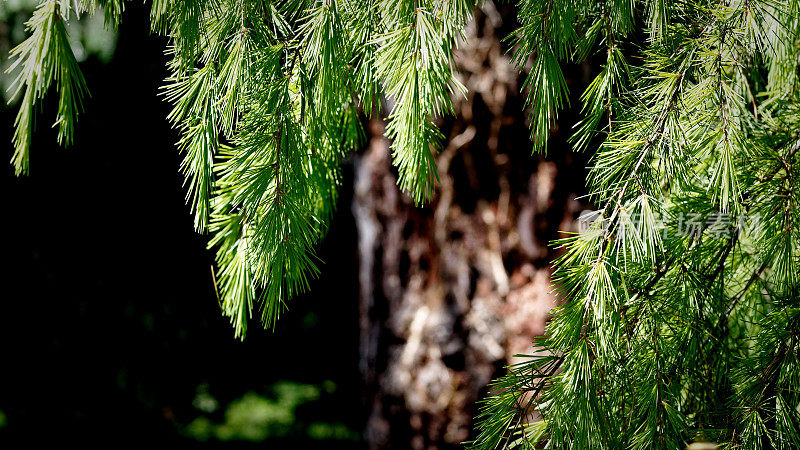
{"type": "Point", "coordinates": [255, 417]}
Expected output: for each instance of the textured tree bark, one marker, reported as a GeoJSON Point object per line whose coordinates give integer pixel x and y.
{"type": "Point", "coordinates": [450, 291]}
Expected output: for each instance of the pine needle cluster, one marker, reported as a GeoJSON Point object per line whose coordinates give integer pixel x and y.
{"type": "Point", "coordinates": [680, 304]}
{"type": "Point", "coordinates": [269, 97]}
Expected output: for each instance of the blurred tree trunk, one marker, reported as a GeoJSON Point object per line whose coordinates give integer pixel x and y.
{"type": "Point", "coordinates": [449, 292]}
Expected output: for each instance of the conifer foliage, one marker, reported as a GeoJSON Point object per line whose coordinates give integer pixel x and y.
{"type": "Point", "coordinates": [268, 97]}
{"type": "Point", "coordinates": [680, 303]}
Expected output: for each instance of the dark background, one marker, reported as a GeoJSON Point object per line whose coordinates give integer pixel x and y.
{"type": "Point", "coordinates": [109, 323]}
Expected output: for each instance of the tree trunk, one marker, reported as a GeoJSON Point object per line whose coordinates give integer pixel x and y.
{"type": "Point", "coordinates": [451, 290]}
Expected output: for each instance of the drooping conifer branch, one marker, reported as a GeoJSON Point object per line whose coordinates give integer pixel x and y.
{"type": "Point", "coordinates": [686, 283]}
